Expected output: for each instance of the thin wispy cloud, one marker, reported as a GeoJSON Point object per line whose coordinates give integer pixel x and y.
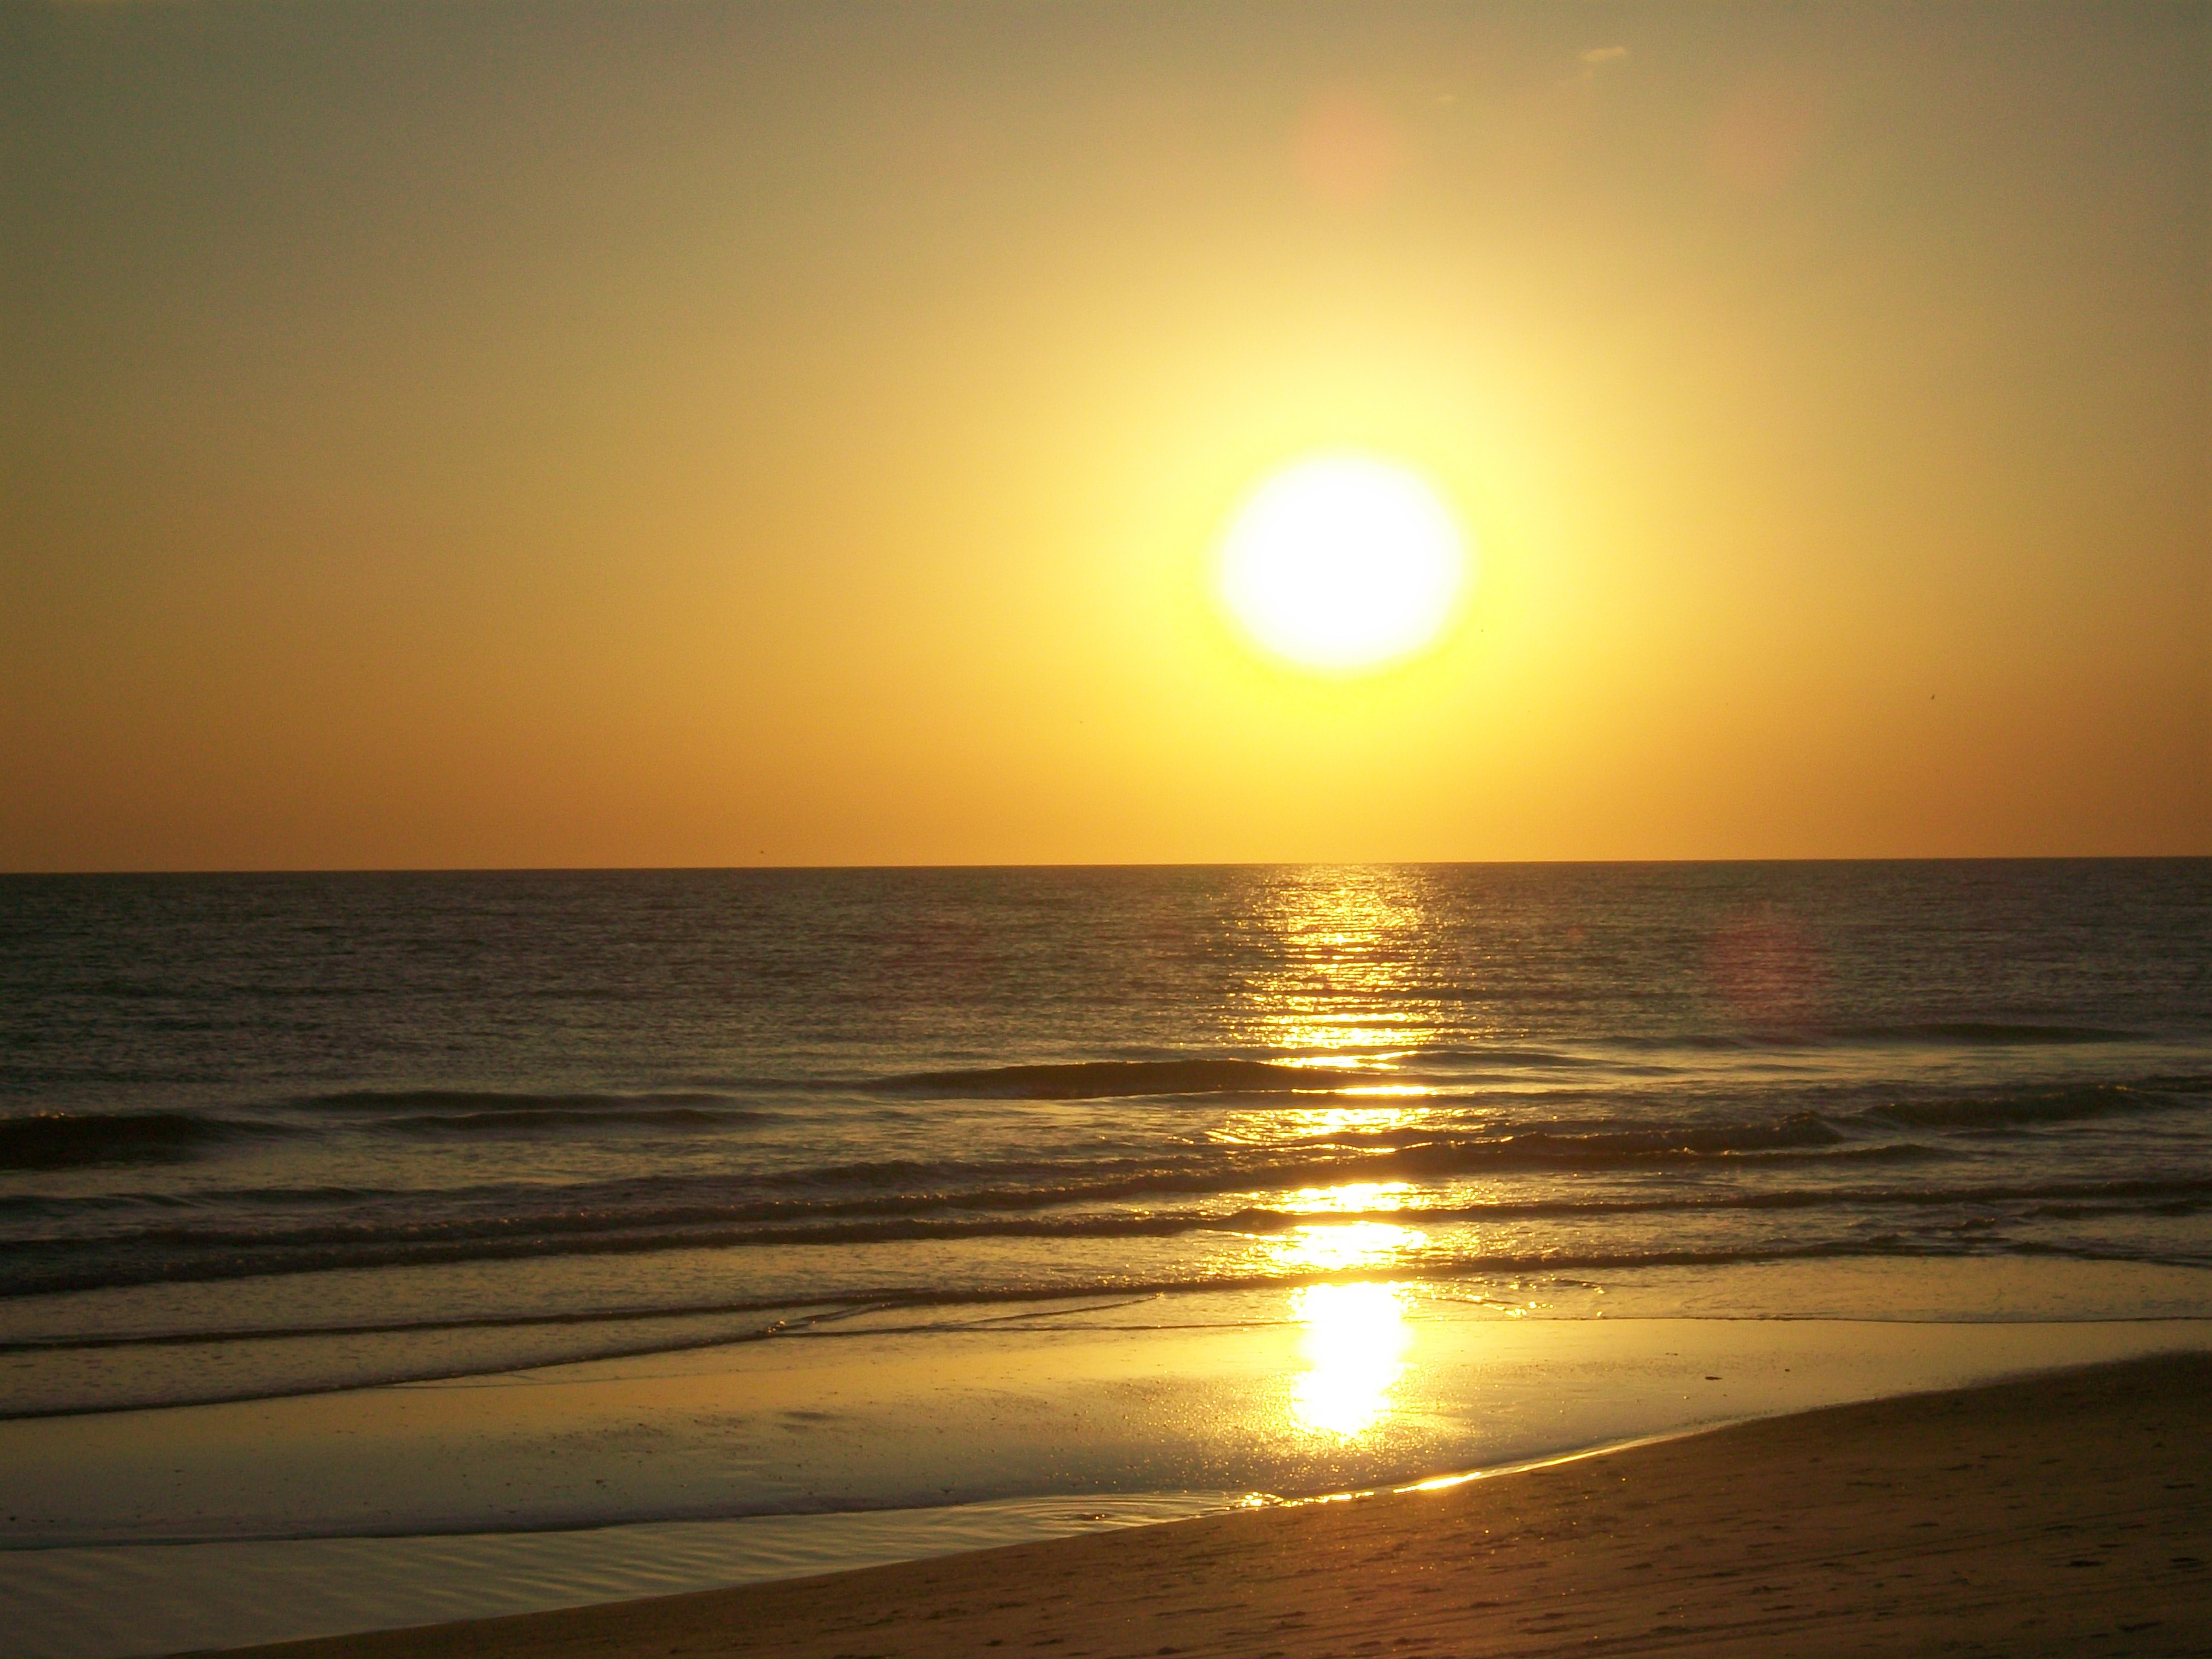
{"type": "Point", "coordinates": [1598, 60]}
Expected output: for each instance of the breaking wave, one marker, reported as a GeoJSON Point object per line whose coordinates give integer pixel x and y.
{"type": "Point", "coordinates": [67, 1140]}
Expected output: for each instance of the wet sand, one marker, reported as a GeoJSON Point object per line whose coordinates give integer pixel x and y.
{"type": "Point", "coordinates": [2065, 1514]}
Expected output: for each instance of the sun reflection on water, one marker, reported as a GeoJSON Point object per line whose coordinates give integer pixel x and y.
{"type": "Point", "coordinates": [1333, 1247]}
{"type": "Point", "coordinates": [1353, 1197]}
{"type": "Point", "coordinates": [1342, 944]}
{"type": "Point", "coordinates": [1342, 994]}
{"type": "Point", "coordinates": [1345, 993]}
{"type": "Point", "coordinates": [1273, 1125]}
{"type": "Point", "coordinates": [1354, 1345]}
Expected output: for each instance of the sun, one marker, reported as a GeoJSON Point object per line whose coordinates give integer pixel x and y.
{"type": "Point", "coordinates": [1342, 562]}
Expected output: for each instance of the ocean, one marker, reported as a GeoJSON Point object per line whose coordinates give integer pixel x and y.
{"type": "Point", "coordinates": [387, 1248]}
{"type": "Point", "coordinates": [271, 1135]}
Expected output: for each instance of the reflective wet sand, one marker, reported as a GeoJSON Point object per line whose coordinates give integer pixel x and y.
{"type": "Point", "coordinates": [556, 1487]}
{"type": "Point", "coordinates": [2065, 1514]}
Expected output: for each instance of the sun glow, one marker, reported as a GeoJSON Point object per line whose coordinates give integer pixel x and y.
{"type": "Point", "coordinates": [1342, 562]}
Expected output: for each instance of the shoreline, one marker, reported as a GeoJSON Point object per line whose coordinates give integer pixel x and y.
{"type": "Point", "coordinates": [1361, 1388]}
{"type": "Point", "coordinates": [210, 1528]}
{"type": "Point", "coordinates": [2063, 1512]}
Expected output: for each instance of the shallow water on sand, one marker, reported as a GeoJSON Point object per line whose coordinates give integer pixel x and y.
{"type": "Point", "coordinates": [100, 1603]}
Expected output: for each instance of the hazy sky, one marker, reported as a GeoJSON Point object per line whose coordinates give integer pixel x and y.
{"type": "Point", "coordinates": [797, 432]}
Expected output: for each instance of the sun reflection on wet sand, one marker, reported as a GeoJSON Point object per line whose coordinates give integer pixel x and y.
{"type": "Point", "coordinates": [1354, 1344]}
{"type": "Point", "coordinates": [1355, 1335]}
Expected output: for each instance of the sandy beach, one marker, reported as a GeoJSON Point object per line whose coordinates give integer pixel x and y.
{"type": "Point", "coordinates": [2067, 1513]}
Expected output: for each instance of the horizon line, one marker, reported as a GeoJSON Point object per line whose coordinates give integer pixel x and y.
{"type": "Point", "coordinates": [1127, 863]}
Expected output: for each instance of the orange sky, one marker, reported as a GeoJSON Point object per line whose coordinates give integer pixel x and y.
{"type": "Point", "coordinates": [523, 434]}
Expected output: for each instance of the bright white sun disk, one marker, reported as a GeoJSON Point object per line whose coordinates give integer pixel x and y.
{"type": "Point", "coordinates": [1342, 562]}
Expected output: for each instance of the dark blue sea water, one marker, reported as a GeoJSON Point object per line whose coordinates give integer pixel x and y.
{"type": "Point", "coordinates": [262, 1134]}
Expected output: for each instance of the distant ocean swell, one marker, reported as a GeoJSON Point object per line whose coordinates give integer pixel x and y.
{"type": "Point", "coordinates": [45, 1140]}
{"type": "Point", "coordinates": [1102, 1079]}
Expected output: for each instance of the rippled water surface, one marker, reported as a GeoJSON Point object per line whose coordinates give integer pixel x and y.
{"type": "Point", "coordinates": [337, 1128]}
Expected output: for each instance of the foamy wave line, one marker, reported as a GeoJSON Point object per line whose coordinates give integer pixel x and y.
{"type": "Point", "coordinates": [255, 1257]}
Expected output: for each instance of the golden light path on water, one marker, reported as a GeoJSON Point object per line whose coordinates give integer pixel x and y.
{"type": "Point", "coordinates": [1342, 994]}
{"type": "Point", "coordinates": [1341, 981]}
